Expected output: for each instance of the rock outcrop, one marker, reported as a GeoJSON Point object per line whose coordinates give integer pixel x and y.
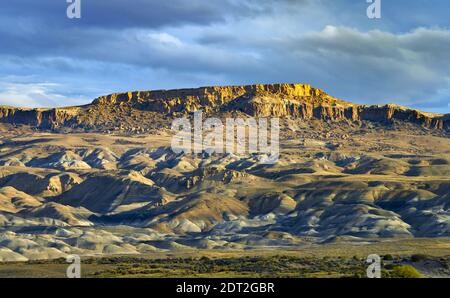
{"type": "Point", "coordinates": [40, 118]}
{"type": "Point", "coordinates": [294, 100]}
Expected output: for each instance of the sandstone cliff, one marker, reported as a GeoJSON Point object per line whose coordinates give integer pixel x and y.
{"type": "Point", "coordinates": [294, 100]}
{"type": "Point", "coordinates": [40, 118]}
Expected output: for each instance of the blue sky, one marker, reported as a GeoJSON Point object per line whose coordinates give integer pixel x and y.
{"type": "Point", "coordinates": [48, 60]}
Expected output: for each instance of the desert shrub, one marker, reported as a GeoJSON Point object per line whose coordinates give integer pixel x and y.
{"type": "Point", "coordinates": [385, 273]}
{"type": "Point", "coordinates": [358, 273]}
{"type": "Point", "coordinates": [388, 257]}
{"type": "Point", "coordinates": [205, 259]}
{"type": "Point", "coordinates": [405, 271]}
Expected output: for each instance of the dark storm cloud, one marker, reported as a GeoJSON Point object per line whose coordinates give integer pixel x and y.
{"type": "Point", "coordinates": [111, 29]}
{"type": "Point", "coordinates": [119, 14]}
{"type": "Point", "coordinates": [122, 45]}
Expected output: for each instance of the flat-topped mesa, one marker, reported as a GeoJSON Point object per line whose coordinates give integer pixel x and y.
{"type": "Point", "coordinates": [278, 98]}
{"type": "Point", "coordinates": [294, 100]}
{"type": "Point", "coordinates": [299, 101]}
{"type": "Point", "coordinates": [213, 93]}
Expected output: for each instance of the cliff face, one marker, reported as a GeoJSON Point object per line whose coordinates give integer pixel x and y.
{"type": "Point", "coordinates": [388, 113]}
{"type": "Point", "coordinates": [211, 98]}
{"type": "Point", "coordinates": [40, 118]}
{"type": "Point", "coordinates": [294, 100]}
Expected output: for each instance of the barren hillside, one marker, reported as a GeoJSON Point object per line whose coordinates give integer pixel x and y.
{"type": "Point", "coordinates": [102, 178]}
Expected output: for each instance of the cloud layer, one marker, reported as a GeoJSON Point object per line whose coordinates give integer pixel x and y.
{"type": "Point", "coordinates": [47, 59]}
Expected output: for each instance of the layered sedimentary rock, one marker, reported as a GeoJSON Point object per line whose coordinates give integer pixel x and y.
{"type": "Point", "coordinates": [294, 100]}
{"type": "Point", "coordinates": [390, 112]}
{"type": "Point", "coordinates": [41, 118]}
{"type": "Point", "coordinates": [275, 99]}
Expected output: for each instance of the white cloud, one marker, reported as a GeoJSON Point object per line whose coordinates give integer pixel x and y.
{"type": "Point", "coordinates": [165, 39]}
{"type": "Point", "coordinates": [32, 95]}
{"type": "Point", "coordinates": [411, 67]}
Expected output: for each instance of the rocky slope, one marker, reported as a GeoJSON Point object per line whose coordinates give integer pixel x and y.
{"type": "Point", "coordinates": [138, 111]}
{"type": "Point", "coordinates": [113, 194]}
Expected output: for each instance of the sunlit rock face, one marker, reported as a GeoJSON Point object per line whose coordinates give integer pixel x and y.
{"type": "Point", "coordinates": [301, 101]}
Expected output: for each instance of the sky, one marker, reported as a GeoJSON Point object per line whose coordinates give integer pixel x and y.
{"type": "Point", "coordinates": [49, 60]}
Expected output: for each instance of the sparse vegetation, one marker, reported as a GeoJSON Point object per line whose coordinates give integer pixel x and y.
{"type": "Point", "coordinates": [248, 266]}
{"type": "Point", "coordinates": [405, 271]}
